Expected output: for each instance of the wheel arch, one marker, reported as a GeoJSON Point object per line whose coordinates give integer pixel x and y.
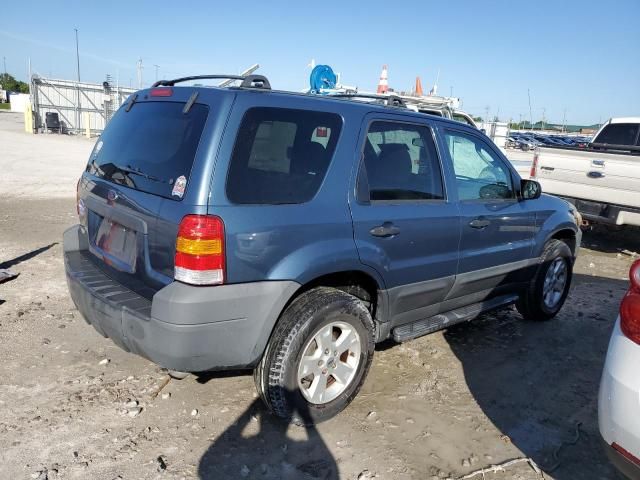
{"type": "Point", "coordinates": [359, 283]}
{"type": "Point", "coordinates": [568, 236]}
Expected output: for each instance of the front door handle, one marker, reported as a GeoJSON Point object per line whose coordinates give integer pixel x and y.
{"type": "Point", "coordinates": [387, 229]}
{"type": "Point", "coordinates": [479, 223]}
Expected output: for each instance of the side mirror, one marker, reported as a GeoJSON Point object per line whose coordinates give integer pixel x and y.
{"type": "Point", "coordinates": [530, 189]}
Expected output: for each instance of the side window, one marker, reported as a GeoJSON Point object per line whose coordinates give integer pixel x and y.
{"type": "Point", "coordinates": [402, 163]}
{"type": "Point", "coordinates": [480, 173]}
{"type": "Point", "coordinates": [281, 155]}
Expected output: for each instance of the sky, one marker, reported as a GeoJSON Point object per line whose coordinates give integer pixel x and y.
{"type": "Point", "coordinates": [577, 59]}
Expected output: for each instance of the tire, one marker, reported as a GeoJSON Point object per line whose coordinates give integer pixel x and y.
{"type": "Point", "coordinates": [541, 302]}
{"type": "Point", "coordinates": [176, 375]}
{"type": "Point", "coordinates": [294, 346]}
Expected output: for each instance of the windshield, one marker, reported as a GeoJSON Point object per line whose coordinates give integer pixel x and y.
{"type": "Point", "coordinates": [150, 148]}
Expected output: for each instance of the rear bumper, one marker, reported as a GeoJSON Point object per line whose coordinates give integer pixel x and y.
{"type": "Point", "coordinates": [610, 214]}
{"type": "Point", "coordinates": [623, 465]}
{"type": "Point", "coordinates": [185, 328]}
{"type": "Point", "coordinates": [619, 401]}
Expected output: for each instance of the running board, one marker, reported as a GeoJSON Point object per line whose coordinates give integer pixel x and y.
{"type": "Point", "coordinates": [425, 326]}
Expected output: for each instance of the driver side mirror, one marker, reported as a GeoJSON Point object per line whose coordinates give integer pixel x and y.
{"type": "Point", "coordinates": [530, 189]}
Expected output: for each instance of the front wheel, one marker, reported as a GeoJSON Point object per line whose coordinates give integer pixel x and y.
{"type": "Point", "coordinates": [318, 356]}
{"type": "Point", "coordinates": [549, 288]}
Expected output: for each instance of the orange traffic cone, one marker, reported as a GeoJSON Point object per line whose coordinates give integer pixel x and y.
{"type": "Point", "coordinates": [418, 90]}
{"type": "Point", "coordinates": [383, 86]}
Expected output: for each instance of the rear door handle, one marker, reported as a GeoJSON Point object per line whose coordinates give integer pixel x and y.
{"type": "Point", "coordinates": [479, 223]}
{"type": "Point", "coordinates": [387, 229]}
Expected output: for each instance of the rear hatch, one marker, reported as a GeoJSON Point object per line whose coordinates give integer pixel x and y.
{"type": "Point", "coordinates": [150, 167]}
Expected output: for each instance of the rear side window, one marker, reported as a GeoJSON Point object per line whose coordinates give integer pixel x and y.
{"type": "Point", "coordinates": [402, 163]}
{"type": "Point", "coordinates": [150, 148]}
{"type": "Point", "coordinates": [619, 134]}
{"type": "Point", "coordinates": [281, 155]}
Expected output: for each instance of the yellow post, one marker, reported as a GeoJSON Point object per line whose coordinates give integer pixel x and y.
{"type": "Point", "coordinates": [28, 118]}
{"type": "Point", "coordinates": [87, 132]}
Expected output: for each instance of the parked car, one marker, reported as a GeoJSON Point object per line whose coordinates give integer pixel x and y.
{"type": "Point", "coordinates": [289, 233]}
{"type": "Point", "coordinates": [527, 143]}
{"type": "Point", "coordinates": [619, 399]}
{"type": "Point", "coordinates": [603, 179]}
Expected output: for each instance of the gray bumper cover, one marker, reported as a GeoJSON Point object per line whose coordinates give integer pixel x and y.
{"type": "Point", "coordinates": [185, 328]}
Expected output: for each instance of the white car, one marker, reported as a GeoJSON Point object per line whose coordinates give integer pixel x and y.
{"type": "Point", "coordinates": [619, 399]}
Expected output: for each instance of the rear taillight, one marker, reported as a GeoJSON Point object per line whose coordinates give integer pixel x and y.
{"type": "Point", "coordinates": [626, 454]}
{"type": "Point", "coordinates": [534, 164]}
{"type": "Point", "coordinates": [630, 306]}
{"type": "Point", "coordinates": [78, 196]}
{"type": "Point", "coordinates": [80, 206]}
{"type": "Point", "coordinates": [200, 258]}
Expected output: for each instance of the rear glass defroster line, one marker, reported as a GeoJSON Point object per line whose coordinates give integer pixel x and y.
{"type": "Point", "coordinates": [190, 102]}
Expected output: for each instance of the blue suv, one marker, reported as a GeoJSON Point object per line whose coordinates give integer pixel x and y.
{"type": "Point", "coordinates": [240, 227]}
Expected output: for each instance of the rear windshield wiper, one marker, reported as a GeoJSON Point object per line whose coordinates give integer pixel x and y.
{"type": "Point", "coordinates": [136, 171]}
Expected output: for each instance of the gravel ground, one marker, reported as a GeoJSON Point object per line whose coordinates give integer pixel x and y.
{"type": "Point", "coordinates": [73, 405]}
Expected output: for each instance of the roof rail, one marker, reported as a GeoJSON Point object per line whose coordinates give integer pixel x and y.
{"type": "Point", "coordinates": [389, 100]}
{"type": "Point", "coordinates": [249, 81]}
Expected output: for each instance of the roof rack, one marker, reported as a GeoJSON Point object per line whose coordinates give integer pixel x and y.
{"type": "Point", "coordinates": [389, 100]}
{"type": "Point", "coordinates": [249, 81]}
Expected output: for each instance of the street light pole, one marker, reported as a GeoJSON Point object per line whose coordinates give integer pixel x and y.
{"type": "Point", "coordinates": [78, 84]}
{"type": "Point", "coordinates": [77, 56]}
{"type": "Point", "coordinates": [157, 67]}
{"type": "Point", "coordinates": [530, 113]}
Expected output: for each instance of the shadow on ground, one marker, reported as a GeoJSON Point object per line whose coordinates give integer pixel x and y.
{"type": "Point", "coordinates": [538, 382]}
{"type": "Point", "coordinates": [607, 239]}
{"type": "Point", "coordinates": [260, 445]}
{"type": "Point", "coordinates": [27, 256]}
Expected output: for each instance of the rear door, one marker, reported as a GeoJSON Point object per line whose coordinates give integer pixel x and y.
{"type": "Point", "coordinates": [497, 230]}
{"type": "Point", "coordinates": [405, 226]}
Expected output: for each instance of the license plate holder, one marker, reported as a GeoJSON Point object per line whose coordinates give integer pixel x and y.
{"type": "Point", "coordinates": [116, 245]}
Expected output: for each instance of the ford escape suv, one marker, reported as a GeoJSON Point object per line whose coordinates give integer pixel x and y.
{"type": "Point", "coordinates": [240, 227]}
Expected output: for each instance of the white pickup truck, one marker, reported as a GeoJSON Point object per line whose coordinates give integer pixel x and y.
{"type": "Point", "coordinates": [601, 180]}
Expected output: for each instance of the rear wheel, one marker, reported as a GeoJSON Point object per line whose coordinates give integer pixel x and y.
{"type": "Point", "coordinates": [318, 356]}
{"type": "Point", "coordinates": [550, 286]}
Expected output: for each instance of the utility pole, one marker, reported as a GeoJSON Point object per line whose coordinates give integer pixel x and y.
{"type": "Point", "coordinates": [544, 110]}
{"type": "Point", "coordinates": [520, 122]}
{"type": "Point", "coordinates": [78, 84]}
{"type": "Point", "coordinates": [77, 56]}
{"type": "Point", "coordinates": [157, 67]}
{"type": "Point", "coordinates": [530, 113]}
{"type": "Point", "coordinates": [139, 68]}
{"type": "Point", "coordinates": [486, 114]}
{"type": "Point", "coordinates": [564, 120]}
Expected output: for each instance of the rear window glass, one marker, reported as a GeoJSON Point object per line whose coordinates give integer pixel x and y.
{"type": "Point", "coordinates": [281, 155]}
{"type": "Point", "coordinates": [150, 148]}
{"type": "Point", "coordinates": [618, 134]}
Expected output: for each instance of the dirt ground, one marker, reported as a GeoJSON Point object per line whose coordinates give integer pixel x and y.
{"type": "Point", "coordinates": [73, 405]}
